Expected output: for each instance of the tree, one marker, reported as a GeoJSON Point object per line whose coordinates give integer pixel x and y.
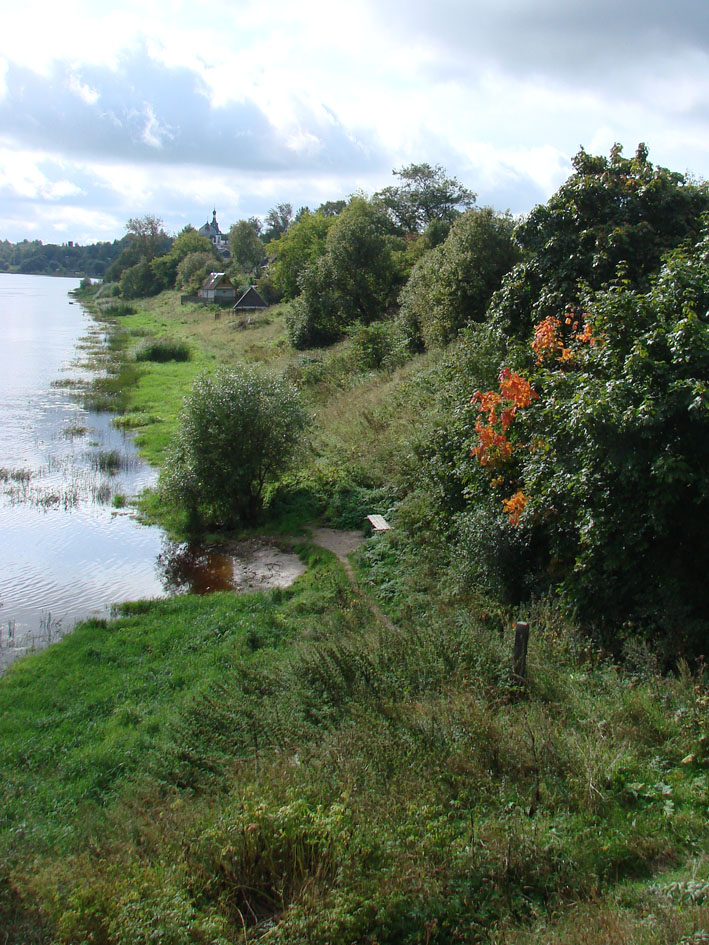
{"type": "Point", "coordinates": [605, 467]}
{"type": "Point", "coordinates": [357, 278]}
{"type": "Point", "coordinates": [425, 194]}
{"type": "Point", "coordinates": [144, 240]}
{"type": "Point", "coordinates": [451, 285]}
{"type": "Point", "coordinates": [138, 281]}
{"type": "Point", "coordinates": [298, 249]}
{"type": "Point", "coordinates": [332, 208]}
{"type": "Point", "coordinates": [189, 241]}
{"type": "Point", "coordinates": [147, 236]}
{"type": "Point", "coordinates": [246, 247]}
{"type": "Point", "coordinates": [193, 270]}
{"type": "Point", "coordinates": [611, 212]}
{"type": "Point", "coordinates": [239, 430]}
{"type": "Point", "coordinates": [278, 221]}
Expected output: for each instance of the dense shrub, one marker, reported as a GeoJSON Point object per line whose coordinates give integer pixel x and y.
{"type": "Point", "coordinates": [452, 284]}
{"type": "Point", "coordinates": [193, 270]}
{"type": "Point", "coordinates": [611, 211]}
{"type": "Point", "coordinates": [163, 351]}
{"type": "Point", "coordinates": [238, 430]}
{"type": "Point", "coordinates": [356, 280]}
{"type": "Point", "coordinates": [139, 281]}
{"type": "Point", "coordinates": [605, 462]}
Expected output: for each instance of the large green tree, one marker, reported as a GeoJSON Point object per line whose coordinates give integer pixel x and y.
{"type": "Point", "coordinates": [356, 280]}
{"type": "Point", "coordinates": [187, 242]}
{"type": "Point", "coordinates": [605, 467]}
{"type": "Point", "coordinates": [451, 286]}
{"type": "Point", "coordinates": [247, 250]}
{"type": "Point", "coordinates": [611, 212]}
{"type": "Point", "coordinates": [297, 250]}
{"type": "Point", "coordinates": [425, 193]}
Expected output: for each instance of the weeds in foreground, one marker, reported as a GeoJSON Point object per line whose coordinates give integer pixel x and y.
{"type": "Point", "coordinates": [283, 768]}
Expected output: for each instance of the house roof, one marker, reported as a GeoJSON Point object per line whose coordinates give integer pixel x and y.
{"type": "Point", "coordinates": [250, 299]}
{"type": "Point", "coordinates": [216, 279]}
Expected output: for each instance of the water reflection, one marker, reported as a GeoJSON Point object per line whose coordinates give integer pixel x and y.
{"type": "Point", "coordinates": [189, 568]}
{"type": "Point", "coordinates": [244, 566]}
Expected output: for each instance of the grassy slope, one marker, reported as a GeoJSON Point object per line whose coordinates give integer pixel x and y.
{"type": "Point", "coordinates": [284, 768]}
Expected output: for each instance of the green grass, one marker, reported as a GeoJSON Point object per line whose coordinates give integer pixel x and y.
{"type": "Point", "coordinates": [283, 767]}
{"type": "Point", "coordinates": [290, 768]}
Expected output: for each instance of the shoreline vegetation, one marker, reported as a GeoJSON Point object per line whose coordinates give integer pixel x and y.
{"type": "Point", "coordinates": [353, 759]}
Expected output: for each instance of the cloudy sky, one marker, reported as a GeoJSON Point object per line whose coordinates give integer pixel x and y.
{"type": "Point", "coordinates": [116, 109]}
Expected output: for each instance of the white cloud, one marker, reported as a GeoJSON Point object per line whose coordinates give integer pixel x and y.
{"type": "Point", "coordinates": [260, 101]}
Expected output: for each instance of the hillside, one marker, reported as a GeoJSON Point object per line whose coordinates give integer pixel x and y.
{"type": "Point", "coordinates": [353, 759]}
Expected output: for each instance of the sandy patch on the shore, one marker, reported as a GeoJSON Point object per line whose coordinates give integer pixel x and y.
{"type": "Point", "coordinates": [259, 565]}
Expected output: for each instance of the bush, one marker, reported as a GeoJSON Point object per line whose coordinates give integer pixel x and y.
{"type": "Point", "coordinates": [163, 351]}
{"type": "Point", "coordinates": [118, 309]}
{"type": "Point", "coordinates": [139, 281]}
{"type": "Point", "coordinates": [239, 429]}
{"type": "Point", "coordinates": [193, 270]}
{"type": "Point", "coordinates": [451, 286]}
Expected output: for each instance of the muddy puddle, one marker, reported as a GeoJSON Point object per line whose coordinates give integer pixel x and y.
{"type": "Point", "coordinates": [253, 565]}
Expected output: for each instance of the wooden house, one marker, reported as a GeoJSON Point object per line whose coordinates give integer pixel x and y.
{"type": "Point", "coordinates": [250, 301]}
{"type": "Point", "coordinates": [217, 287]}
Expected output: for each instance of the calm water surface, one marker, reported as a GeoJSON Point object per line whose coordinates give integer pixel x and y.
{"type": "Point", "coordinates": [65, 552]}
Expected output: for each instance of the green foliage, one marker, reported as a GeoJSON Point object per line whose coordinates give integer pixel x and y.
{"type": "Point", "coordinates": [425, 195]}
{"type": "Point", "coordinates": [34, 256]}
{"type": "Point", "coordinates": [189, 241]}
{"type": "Point", "coordinates": [373, 345]}
{"type": "Point", "coordinates": [139, 281]}
{"type": "Point", "coordinates": [144, 240]}
{"type": "Point", "coordinates": [451, 285]}
{"type": "Point", "coordinates": [619, 483]}
{"type": "Point", "coordinates": [278, 221]}
{"type": "Point", "coordinates": [608, 464]}
{"type": "Point", "coordinates": [356, 280]}
{"type": "Point", "coordinates": [297, 250]}
{"type": "Point", "coordinates": [239, 429]}
{"type": "Point", "coordinates": [163, 351]}
{"type": "Point", "coordinates": [193, 270]}
{"type": "Point", "coordinates": [247, 250]}
{"type": "Point", "coordinates": [611, 211]}
{"type": "Point", "coordinates": [117, 309]}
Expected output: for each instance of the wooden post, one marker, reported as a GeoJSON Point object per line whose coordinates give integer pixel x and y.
{"type": "Point", "coordinates": [520, 653]}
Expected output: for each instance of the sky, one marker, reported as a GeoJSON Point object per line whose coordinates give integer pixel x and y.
{"type": "Point", "coordinates": [112, 110]}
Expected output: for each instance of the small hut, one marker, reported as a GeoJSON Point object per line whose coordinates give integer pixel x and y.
{"type": "Point", "coordinates": [217, 287]}
{"type": "Point", "coordinates": [250, 301]}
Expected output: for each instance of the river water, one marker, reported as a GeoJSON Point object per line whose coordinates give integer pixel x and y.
{"type": "Point", "coordinates": [66, 550]}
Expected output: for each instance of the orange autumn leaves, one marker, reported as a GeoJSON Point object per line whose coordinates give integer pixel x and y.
{"type": "Point", "coordinates": [549, 344]}
{"type": "Point", "coordinates": [497, 410]}
{"type": "Point", "coordinates": [556, 340]}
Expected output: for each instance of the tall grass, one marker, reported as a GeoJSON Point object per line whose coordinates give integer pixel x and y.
{"type": "Point", "coordinates": [285, 768]}
{"type": "Point", "coordinates": [163, 351]}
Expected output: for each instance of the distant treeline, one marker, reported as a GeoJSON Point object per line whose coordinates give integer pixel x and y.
{"type": "Point", "coordinates": [37, 258]}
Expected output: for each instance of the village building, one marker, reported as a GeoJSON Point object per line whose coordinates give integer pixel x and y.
{"type": "Point", "coordinates": [250, 301]}
{"type": "Point", "coordinates": [217, 287]}
{"type": "Point", "coordinates": [219, 240]}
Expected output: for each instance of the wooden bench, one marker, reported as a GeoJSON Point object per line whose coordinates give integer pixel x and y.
{"type": "Point", "coordinates": [378, 523]}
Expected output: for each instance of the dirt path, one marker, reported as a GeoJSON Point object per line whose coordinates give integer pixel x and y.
{"type": "Point", "coordinates": [342, 544]}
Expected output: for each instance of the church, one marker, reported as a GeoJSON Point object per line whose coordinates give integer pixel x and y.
{"type": "Point", "coordinates": [219, 240]}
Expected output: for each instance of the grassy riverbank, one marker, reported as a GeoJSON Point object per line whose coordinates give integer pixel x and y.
{"type": "Point", "coordinates": [283, 767]}
{"type": "Point", "coordinates": [343, 761]}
